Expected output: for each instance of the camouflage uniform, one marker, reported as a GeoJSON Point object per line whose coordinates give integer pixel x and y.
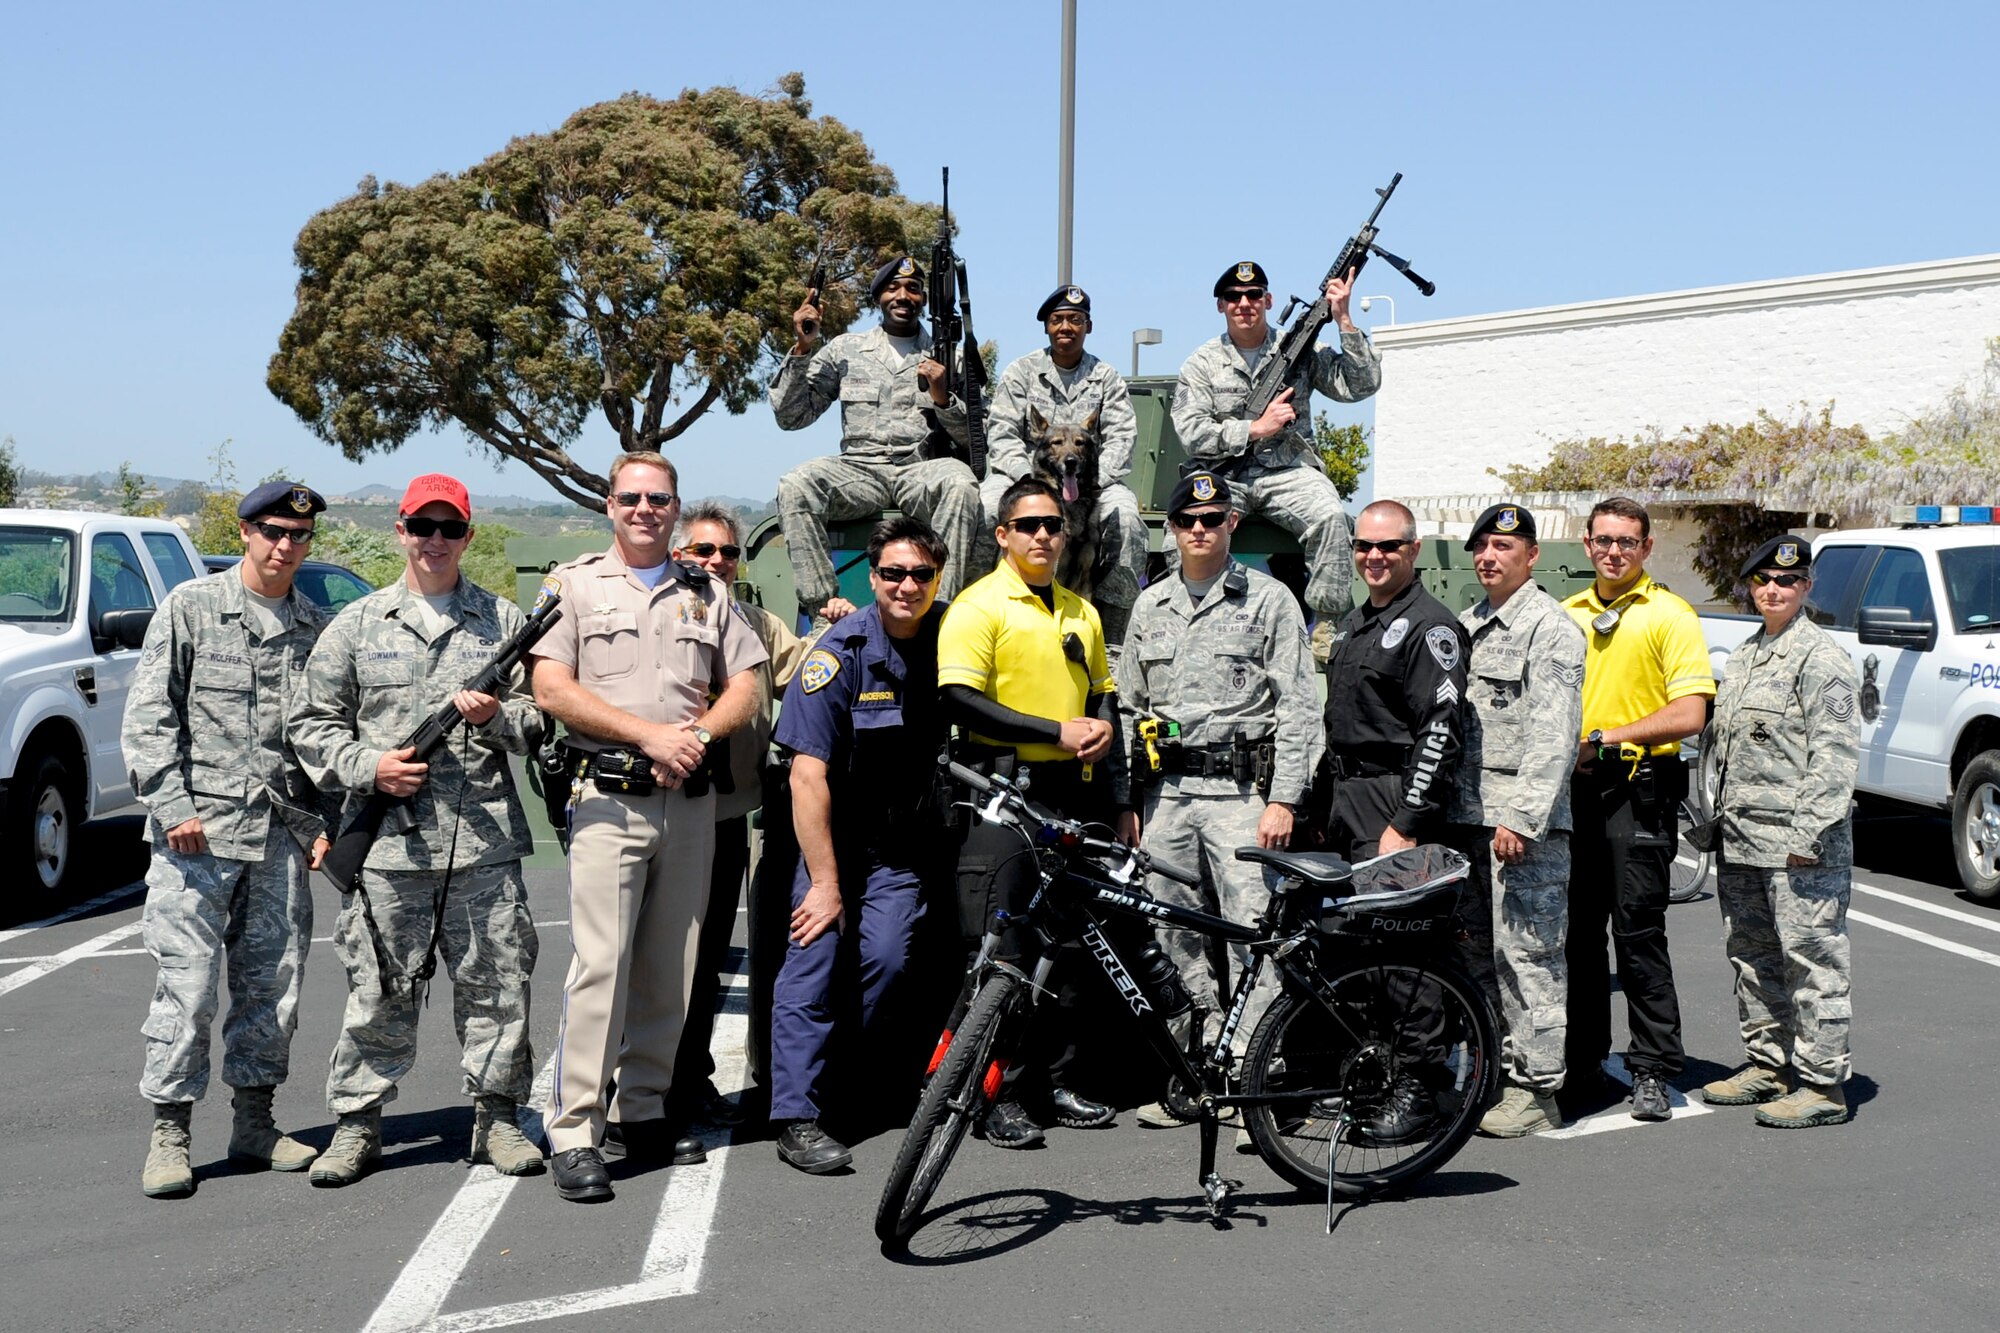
{"type": "Point", "coordinates": [884, 420]}
{"type": "Point", "coordinates": [1092, 388]}
{"type": "Point", "coordinates": [1234, 665]}
{"type": "Point", "coordinates": [1282, 477]}
{"type": "Point", "coordinates": [1787, 734]}
{"type": "Point", "coordinates": [204, 737]}
{"type": "Point", "coordinates": [1524, 688]}
{"type": "Point", "coordinates": [373, 679]}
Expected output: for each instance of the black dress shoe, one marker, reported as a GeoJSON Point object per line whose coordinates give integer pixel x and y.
{"type": "Point", "coordinates": [1407, 1115]}
{"type": "Point", "coordinates": [1008, 1125]}
{"type": "Point", "coordinates": [580, 1176]}
{"type": "Point", "coordinates": [1076, 1112]}
{"type": "Point", "coordinates": [650, 1142]}
{"type": "Point", "coordinates": [805, 1145]}
{"type": "Point", "coordinates": [716, 1109]}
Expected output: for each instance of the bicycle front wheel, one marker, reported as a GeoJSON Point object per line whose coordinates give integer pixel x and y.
{"type": "Point", "coordinates": [960, 1092]}
{"type": "Point", "coordinates": [1330, 1061]}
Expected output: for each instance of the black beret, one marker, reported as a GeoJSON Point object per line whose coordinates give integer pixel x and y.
{"type": "Point", "coordinates": [902, 266]}
{"type": "Point", "coordinates": [1249, 273]}
{"type": "Point", "coordinates": [281, 497]}
{"type": "Point", "coordinates": [1063, 298]}
{"type": "Point", "coordinates": [1198, 488]}
{"type": "Point", "coordinates": [1785, 552]}
{"type": "Point", "coordinates": [1510, 520]}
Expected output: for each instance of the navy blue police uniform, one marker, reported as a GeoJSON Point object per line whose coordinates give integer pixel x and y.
{"type": "Point", "coordinates": [867, 706]}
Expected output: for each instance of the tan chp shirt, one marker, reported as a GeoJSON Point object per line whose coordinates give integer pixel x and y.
{"type": "Point", "coordinates": [657, 653]}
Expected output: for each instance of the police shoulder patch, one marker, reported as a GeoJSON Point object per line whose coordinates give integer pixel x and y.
{"type": "Point", "coordinates": [819, 670]}
{"type": "Point", "coordinates": [1442, 640]}
{"type": "Point", "coordinates": [551, 587]}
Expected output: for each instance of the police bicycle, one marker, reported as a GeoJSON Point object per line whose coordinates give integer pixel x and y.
{"type": "Point", "coordinates": [1372, 1008]}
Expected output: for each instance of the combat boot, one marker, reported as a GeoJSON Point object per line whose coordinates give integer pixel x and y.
{"type": "Point", "coordinates": [255, 1139]}
{"type": "Point", "coordinates": [1747, 1086]}
{"type": "Point", "coordinates": [168, 1174]}
{"type": "Point", "coordinates": [1805, 1107]}
{"type": "Point", "coordinates": [355, 1151]}
{"type": "Point", "coordinates": [497, 1138]}
{"type": "Point", "coordinates": [1520, 1112]}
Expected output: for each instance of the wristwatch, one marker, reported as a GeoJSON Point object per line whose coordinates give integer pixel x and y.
{"type": "Point", "coordinates": [1595, 738]}
{"type": "Point", "coordinates": [701, 734]}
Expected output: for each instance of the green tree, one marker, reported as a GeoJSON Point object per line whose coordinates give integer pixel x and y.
{"type": "Point", "coordinates": [486, 562]}
{"type": "Point", "coordinates": [641, 261]}
{"type": "Point", "coordinates": [132, 495]}
{"type": "Point", "coordinates": [10, 474]}
{"type": "Point", "coordinates": [1344, 450]}
{"type": "Point", "coordinates": [376, 556]}
{"type": "Point", "coordinates": [214, 527]}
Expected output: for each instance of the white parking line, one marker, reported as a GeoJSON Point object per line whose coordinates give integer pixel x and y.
{"type": "Point", "coordinates": [69, 913]}
{"type": "Point", "coordinates": [1983, 922]}
{"type": "Point", "coordinates": [13, 981]}
{"type": "Point", "coordinates": [1949, 946]}
{"type": "Point", "coordinates": [1620, 1117]}
{"type": "Point", "coordinates": [674, 1253]}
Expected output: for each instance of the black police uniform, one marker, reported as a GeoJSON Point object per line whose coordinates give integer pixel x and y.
{"type": "Point", "coordinates": [1394, 683]}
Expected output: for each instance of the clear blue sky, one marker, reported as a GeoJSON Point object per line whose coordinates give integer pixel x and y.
{"type": "Point", "coordinates": [158, 161]}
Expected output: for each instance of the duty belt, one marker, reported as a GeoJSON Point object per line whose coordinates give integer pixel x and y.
{"type": "Point", "coordinates": [1367, 761]}
{"type": "Point", "coordinates": [1228, 759]}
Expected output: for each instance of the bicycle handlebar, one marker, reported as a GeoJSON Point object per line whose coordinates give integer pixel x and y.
{"type": "Point", "coordinates": [1011, 797]}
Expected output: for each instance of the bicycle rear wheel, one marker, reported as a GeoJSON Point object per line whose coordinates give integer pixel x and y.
{"type": "Point", "coordinates": [1387, 1020]}
{"type": "Point", "coordinates": [959, 1093]}
{"type": "Point", "coordinates": [1689, 872]}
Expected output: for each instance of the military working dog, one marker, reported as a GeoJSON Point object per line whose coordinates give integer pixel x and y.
{"type": "Point", "coordinates": [1064, 454]}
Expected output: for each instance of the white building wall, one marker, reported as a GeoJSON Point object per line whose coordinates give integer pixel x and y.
{"type": "Point", "coordinates": [1462, 396]}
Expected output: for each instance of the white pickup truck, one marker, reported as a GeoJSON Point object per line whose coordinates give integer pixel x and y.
{"type": "Point", "coordinates": [77, 591]}
{"type": "Point", "coordinates": [1919, 608]}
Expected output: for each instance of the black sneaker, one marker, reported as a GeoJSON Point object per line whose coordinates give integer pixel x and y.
{"type": "Point", "coordinates": [651, 1142]}
{"type": "Point", "coordinates": [1077, 1112]}
{"type": "Point", "coordinates": [580, 1176]}
{"type": "Point", "coordinates": [805, 1145]}
{"type": "Point", "coordinates": [1649, 1097]}
{"type": "Point", "coordinates": [1008, 1125]}
{"type": "Point", "coordinates": [1407, 1115]}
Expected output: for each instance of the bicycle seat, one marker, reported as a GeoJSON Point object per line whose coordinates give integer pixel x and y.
{"type": "Point", "coordinates": [1321, 869]}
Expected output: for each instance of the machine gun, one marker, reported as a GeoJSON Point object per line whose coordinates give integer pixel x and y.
{"type": "Point", "coordinates": [1275, 373]}
{"type": "Point", "coordinates": [954, 347]}
{"type": "Point", "coordinates": [350, 849]}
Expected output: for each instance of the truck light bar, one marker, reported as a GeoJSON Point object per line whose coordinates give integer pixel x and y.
{"type": "Point", "coordinates": [1930, 516]}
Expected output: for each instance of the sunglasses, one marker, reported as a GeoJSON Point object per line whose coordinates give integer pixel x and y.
{"type": "Point", "coordinates": [895, 574]}
{"type": "Point", "coordinates": [274, 533]}
{"type": "Point", "coordinates": [1759, 579]}
{"type": "Point", "coordinates": [1243, 294]}
{"type": "Point", "coordinates": [1207, 518]}
{"type": "Point", "coordinates": [451, 529]}
{"type": "Point", "coordinates": [1626, 544]}
{"type": "Point", "coordinates": [657, 499]}
{"type": "Point", "coordinates": [1034, 523]}
{"type": "Point", "coordinates": [1388, 546]}
{"type": "Point", "coordinates": [730, 550]}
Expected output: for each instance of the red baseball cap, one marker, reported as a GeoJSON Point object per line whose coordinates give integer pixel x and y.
{"type": "Point", "coordinates": [433, 487]}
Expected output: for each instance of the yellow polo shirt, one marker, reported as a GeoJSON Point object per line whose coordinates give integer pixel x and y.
{"type": "Point", "coordinates": [999, 639]}
{"type": "Point", "coordinates": [1653, 656]}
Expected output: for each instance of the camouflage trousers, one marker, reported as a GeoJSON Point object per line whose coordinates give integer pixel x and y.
{"type": "Point", "coordinates": [1786, 936]}
{"type": "Point", "coordinates": [1516, 920]}
{"type": "Point", "coordinates": [941, 491]}
{"type": "Point", "coordinates": [1202, 833]}
{"type": "Point", "coordinates": [488, 942]}
{"type": "Point", "coordinates": [1303, 501]}
{"type": "Point", "coordinates": [199, 909]}
{"type": "Point", "coordinates": [1121, 541]}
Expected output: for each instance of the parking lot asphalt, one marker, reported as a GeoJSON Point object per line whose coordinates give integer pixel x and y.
{"type": "Point", "coordinates": [1706, 1221]}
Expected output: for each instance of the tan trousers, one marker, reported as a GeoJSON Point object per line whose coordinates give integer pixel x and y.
{"type": "Point", "coordinates": [638, 884]}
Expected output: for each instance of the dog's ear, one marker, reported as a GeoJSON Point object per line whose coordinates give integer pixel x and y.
{"type": "Point", "coordinates": [1036, 421]}
{"type": "Point", "coordinates": [1089, 426]}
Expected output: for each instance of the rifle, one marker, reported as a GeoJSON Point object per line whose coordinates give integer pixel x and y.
{"type": "Point", "coordinates": [343, 861]}
{"type": "Point", "coordinates": [1297, 343]}
{"type": "Point", "coordinates": [954, 346]}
